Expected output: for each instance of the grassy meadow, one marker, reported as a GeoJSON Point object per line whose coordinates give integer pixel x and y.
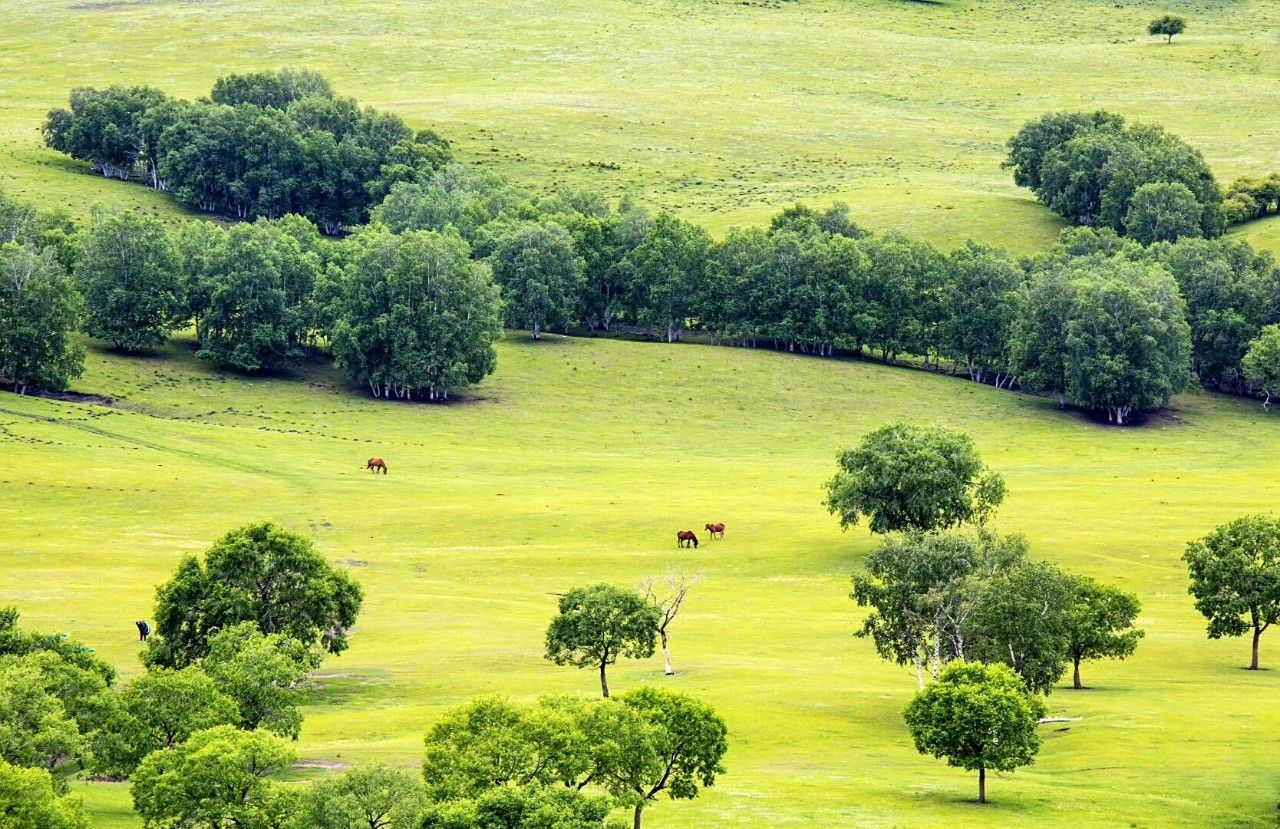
{"type": "Point", "coordinates": [577, 462]}
{"type": "Point", "coordinates": [721, 110]}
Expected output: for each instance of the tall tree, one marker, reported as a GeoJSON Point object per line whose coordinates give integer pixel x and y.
{"type": "Point", "coordinates": [1235, 578]}
{"type": "Point", "coordinates": [541, 276]}
{"type": "Point", "coordinates": [217, 778]}
{"type": "Point", "coordinates": [652, 741]}
{"type": "Point", "coordinates": [39, 308]}
{"type": "Point", "coordinates": [35, 728]}
{"type": "Point", "coordinates": [416, 317]}
{"type": "Point", "coordinates": [908, 477]}
{"type": "Point", "coordinates": [598, 624]}
{"type": "Point", "coordinates": [979, 718]}
{"type": "Point", "coordinates": [665, 272]}
{"type": "Point", "coordinates": [982, 285]}
{"type": "Point", "coordinates": [262, 673]}
{"type": "Point", "coordinates": [128, 271]}
{"type": "Point", "coordinates": [1020, 619]}
{"type": "Point", "coordinates": [1261, 363]}
{"type": "Point", "coordinates": [1099, 623]}
{"type": "Point", "coordinates": [158, 710]}
{"type": "Point", "coordinates": [1163, 211]}
{"type": "Point", "coordinates": [259, 573]}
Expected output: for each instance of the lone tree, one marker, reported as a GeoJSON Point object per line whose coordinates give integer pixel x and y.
{"type": "Point", "coordinates": [1235, 577]}
{"type": "Point", "coordinates": [1262, 363]}
{"type": "Point", "coordinates": [598, 624]}
{"type": "Point", "coordinates": [669, 601]}
{"type": "Point", "coordinates": [1167, 25]}
{"type": "Point", "coordinates": [258, 573]}
{"type": "Point", "coordinates": [908, 477]}
{"type": "Point", "coordinates": [977, 717]}
{"type": "Point", "coordinates": [653, 741]}
{"type": "Point", "coordinates": [1099, 623]}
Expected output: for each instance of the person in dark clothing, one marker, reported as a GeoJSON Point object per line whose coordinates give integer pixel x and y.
{"type": "Point", "coordinates": [144, 630]}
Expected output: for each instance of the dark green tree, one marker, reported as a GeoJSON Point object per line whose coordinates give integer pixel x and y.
{"type": "Point", "coordinates": [416, 317]}
{"type": "Point", "coordinates": [259, 573]}
{"type": "Point", "coordinates": [1021, 619]}
{"type": "Point", "coordinates": [978, 718]}
{"type": "Point", "coordinates": [1167, 25]}
{"type": "Point", "coordinates": [665, 272]}
{"type": "Point", "coordinates": [598, 624]}
{"type": "Point", "coordinates": [908, 477]}
{"type": "Point", "coordinates": [652, 741]}
{"type": "Point", "coordinates": [128, 272]}
{"type": "Point", "coordinates": [1099, 623]}
{"type": "Point", "coordinates": [262, 673]}
{"type": "Point", "coordinates": [158, 710]}
{"type": "Point", "coordinates": [1235, 578]}
{"type": "Point", "coordinates": [982, 298]}
{"type": "Point", "coordinates": [541, 276]}
{"type": "Point", "coordinates": [39, 308]}
{"type": "Point", "coordinates": [1261, 363]}
{"type": "Point", "coordinates": [1163, 211]}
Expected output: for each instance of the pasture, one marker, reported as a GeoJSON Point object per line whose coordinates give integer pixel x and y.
{"type": "Point", "coordinates": [721, 111]}
{"type": "Point", "coordinates": [577, 462]}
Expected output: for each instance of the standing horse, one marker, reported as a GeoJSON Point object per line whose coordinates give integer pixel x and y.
{"type": "Point", "coordinates": [375, 464]}
{"type": "Point", "coordinates": [684, 538]}
{"type": "Point", "coordinates": [716, 530]}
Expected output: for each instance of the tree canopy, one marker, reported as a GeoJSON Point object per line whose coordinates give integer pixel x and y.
{"type": "Point", "coordinates": [908, 477]}
{"type": "Point", "coordinates": [1235, 578]}
{"type": "Point", "coordinates": [260, 573]}
{"type": "Point", "coordinates": [1167, 25]}
{"type": "Point", "coordinates": [598, 624]}
{"type": "Point", "coordinates": [979, 718]}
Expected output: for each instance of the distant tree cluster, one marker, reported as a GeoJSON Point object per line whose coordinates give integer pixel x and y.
{"type": "Point", "coordinates": [1136, 179]}
{"type": "Point", "coordinates": [264, 144]}
{"type": "Point", "coordinates": [1249, 198]}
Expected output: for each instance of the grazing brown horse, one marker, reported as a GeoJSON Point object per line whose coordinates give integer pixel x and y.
{"type": "Point", "coordinates": [686, 537]}
{"type": "Point", "coordinates": [376, 464]}
{"type": "Point", "coordinates": [716, 530]}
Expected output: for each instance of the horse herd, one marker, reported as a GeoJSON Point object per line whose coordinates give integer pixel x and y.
{"type": "Point", "coordinates": [684, 538]}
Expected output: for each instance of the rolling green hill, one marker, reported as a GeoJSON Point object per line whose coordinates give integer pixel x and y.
{"type": "Point", "coordinates": [722, 111]}
{"type": "Point", "coordinates": [577, 462]}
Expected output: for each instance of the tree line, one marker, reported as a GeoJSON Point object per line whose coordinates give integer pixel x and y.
{"type": "Point", "coordinates": [262, 144]}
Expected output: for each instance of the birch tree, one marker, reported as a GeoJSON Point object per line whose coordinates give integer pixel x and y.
{"type": "Point", "coordinates": [669, 599]}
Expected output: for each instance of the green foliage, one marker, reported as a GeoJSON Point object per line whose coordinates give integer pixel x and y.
{"type": "Point", "coordinates": [265, 145]}
{"type": "Point", "coordinates": [1168, 25]}
{"type": "Point", "coordinates": [1020, 619]}
{"type": "Point", "coordinates": [158, 710]}
{"type": "Point", "coordinates": [35, 728]}
{"type": "Point", "coordinates": [259, 573]}
{"type": "Point", "coordinates": [1090, 168]}
{"type": "Point", "coordinates": [1099, 623]}
{"type": "Point", "coordinates": [1104, 334]}
{"type": "Point", "coordinates": [364, 797]}
{"type": "Point", "coordinates": [128, 272]}
{"type": "Point", "coordinates": [215, 779]}
{"type": "Point", "coordinates": [262, 674]}
{"type": "Point", "coordinates": [908, 477]}
{"type": "Point", "coordinates": [1235, 577]}
{"type": "Point", "coordinates": [922, 590]}
{"type": "Point", "coordinates": [257, 313]}
{"type": "Point", "coordinates": [29, 800]}
{"type": "Point", "coordinates": [492, 742]}
{"type": "Point", "coordinates": [1163, 212]}
{"type": "Point", "coordinates": [663, 273]}
{"type": "Point", "coordinates": [522, 808]}
{"type": "Point", "coordinates": [652, 740]}
{"type": "Point", "coordinates": [977, 717]}
{"type": "Point", "coordinates": [16, 641]}
{"type": "Point", "coordinates": [39, 307]}
{"type": "Point", "coordinates": [982, 298]}
{"type": "Point", "coordinates": [1261, 363]}
{"type": "Point", "coordinates": [541, 276]}
{"type": "Point", "coordinates": [598, 624]}
{"type": "Point", "coordinates": [416, 317]}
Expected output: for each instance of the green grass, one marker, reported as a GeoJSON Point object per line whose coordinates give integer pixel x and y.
{"type": "Point", "coordinates": [722, 111]}
{"type": "Point", "coordinates": [577, 462]}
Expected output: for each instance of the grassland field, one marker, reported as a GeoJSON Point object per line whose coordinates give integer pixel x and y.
{"type": "Point", "coordinates": [578, 460]}
{"type": "Point", "coordinates": [575, 463]}
{"type": "Point", "coordinates": [723, 111]}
